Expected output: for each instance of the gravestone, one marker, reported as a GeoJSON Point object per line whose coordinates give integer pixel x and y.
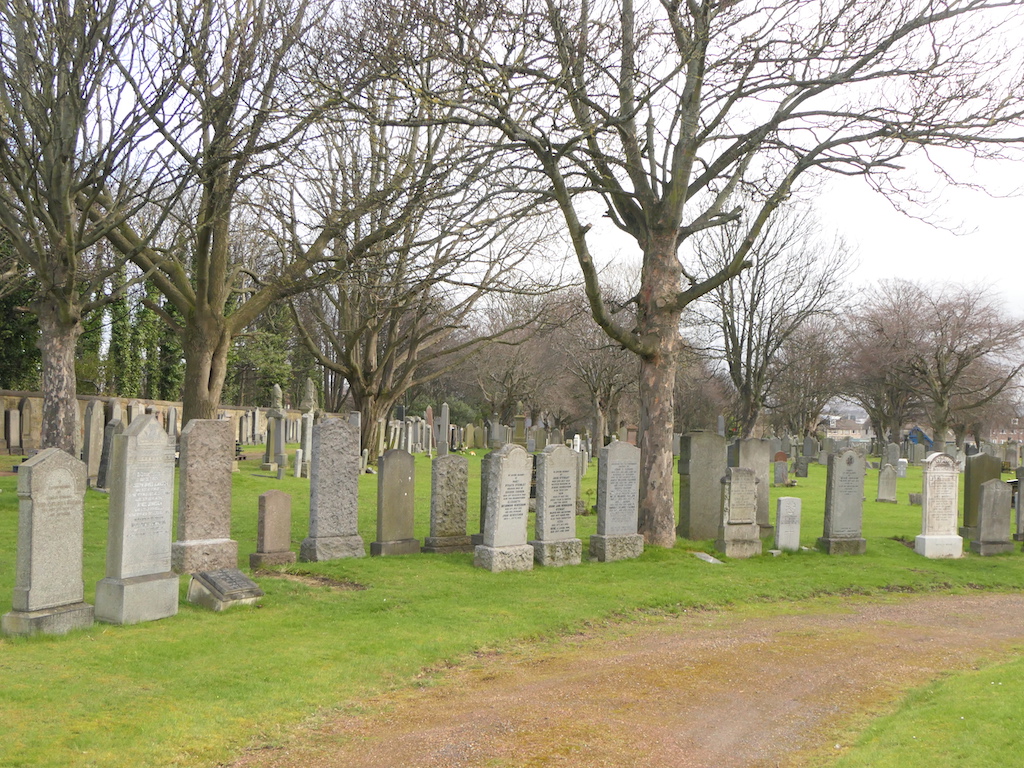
{"type": "Point", "coordinates": [504, 546]}
{"type": "Point", "coordinates": [204, 498]}
{"type": "Point", "coordinates": [13, 430]}
{"type": "Point", "coordinates": [519, 429]}
{"type": "Point", "coordinates": [555, 540]}
{"type": "Point", "coordinates": [844, 505]}
{"type": "Point", "coordinates": [702, 463]}
{"type": "Point", "coordinates": [939, 499]}
{"type": "Point", "coordinates": [901, 467]}
{"type": "Point", "coordinates": [993, 519]}
{"type": "Point", "coordinates": [1019, 474]}
{"type": "Point", "coordinates": [485, 463]}
{"type": "Point", "coordinates": [172, 423]}
{"type": "Point", "coordinates": [887, 484]}
{"type": "Point", "coordinates": [139, 583]}
{"type": "Point", "coordinates": [222, 589]}
{"type": "Point", "coordinates": [915, 499]}
{"type": "Point", "coordinates": [738, 532]}
{"type": "Point", "coordinates": [299, 462]}
{"type": "Point", "coordinates": [802, 463]}
{"type": "Point", "coordinates": [780, 465]}
{"type": "Point", "coordinates": [754, 454]}
{"type": "Point", "coordinates": [273, 531]}
{"type": "Point", "coordinates": [396, 511]}
{"type": "Point", "coordinates": [449, 501]}
{"type": "Point", "coordinates": [787, 524]}
{"type": "Point", "coordinates": [980, 469]}
{"type": "Point", "coordinates": [918, 451]}
{"type": "Point", "coordinates": [892, 454]}
{"type": "Point", "coordinates": [112, 429]}
{"type": "Point", "coordinates": [618, 500]}
{"type": "Point", "coordinates": [92, 445]}
{"type": "Point", "coordinates": [29, 442]}
{"type": "Point", "coordinates": [306, 443]}
{"type": "Point", "coordinates": [721, 425]}
{"type": "Point", "coordinates": [810, 447]}
{"type": "Point", "coordinates": [49, 594]}
{"type": "Point", "coordinates": [333, 494]}
{"type": "Point", "coordinates": [133, 411]}
{"type": "Point", "coordinates": [444, 432]}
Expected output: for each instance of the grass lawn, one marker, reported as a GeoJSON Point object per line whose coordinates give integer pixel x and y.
{"type": "Point", "coordinates": [194, 689]}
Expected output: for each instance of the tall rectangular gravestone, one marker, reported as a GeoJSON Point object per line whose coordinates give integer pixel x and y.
{"type": "Point", "coordinates": [756, 454]}
{"type": "Point", "coordinates": [892, 454]}
{"type": "Point", "coordinates": [993, 519]}
{"type": "Point", "coordinates": [557, 483]}
{"type": "Point", "coordinates": [449, 502]}
{"type": "Point", "coordinates": [702, 462]}
{"type": "Point", "coordinates": [273, 531]}
{"type": "Point", "coordinates": [618, 501]}
{"type": "Point", "coordinates": [485, 463]}
{"type": "Point", "coordinates": [396, 510]}
{"type": "Point", "coordinates": [738, 532]}
{"type": "Point", "coordinates": [980, 469]}
{"type": "Point", "coordinates": [939, 499]}
{"type": "Point", "coordinates": [139, 583]}
{"type": "Point", "coordinates": [504, 545]}
{"type": "Point", "coordinates": [49, 594]}
{"type": "Point", "coordinates": [787, 524]}
{"type": "Point", "coordinates": [844, 505]}
{"type": "Point", "coordinates": [1019, 475]}
{"type": "Point", "coordinates": [92, 445]}
{"type": "Point", "coordinates": [204, 498]}
{"type": "Point", "coordinates": [333, 494]}
{"type": "Point", "coordinates": [887, 484]}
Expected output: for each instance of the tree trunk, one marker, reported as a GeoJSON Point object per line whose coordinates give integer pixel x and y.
{"type": "Point", "coordinates": [371, 410]}
{"type": "Point", "coordinates": [206, 344]}
{"type": "Point", "coordinates": [58, 336]}
{"type": "Point", "coordinates": [659, 328]}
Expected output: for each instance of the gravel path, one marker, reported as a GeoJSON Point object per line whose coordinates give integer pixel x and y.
{"type": "Point", "coordinates": [728, 689]}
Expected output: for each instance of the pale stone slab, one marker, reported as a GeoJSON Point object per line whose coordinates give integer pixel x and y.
{"type": "Point", "coordinates": [139, 584]}
{"type": "Point", "coordinates": [607, 549]}
{"type": "Point", "coordinates": [449, 499]}
{"type": "Point", "coordinates": [396, 491]}
{"type": "Point", "coordinates": [739, 532]}
{"type": "Point", "coordinates": [273, 531]}
{"type": "Point", "coordinates": [756, 454]}
{"type": "Point", "coordinates": [618, 489]}
{"type": "Point", "coordinates": [204, 498]}
{"type": "Point", "coordinates": [939, 500]}
{"type": "Point", "coordinates": [508, 497]}
{"type": "Point", "coordinates": [844, 505]}
{"type": "Point", "coordinates": [787, 524]}
{"type": "Point", "coordinates": [48, 587]}
{"type": "Point", "coordinates": [557, 484]}
{"type": "Point", "coordinates": [498, 559]}
{"type": "Point", "coordinates": [334, 494]}
{"type": "Point", "coordinates": [702, 463]}
{"type": "Point", "coordinates": [887, 484]}
{"type": "Point", "coordinates": [92, 446]}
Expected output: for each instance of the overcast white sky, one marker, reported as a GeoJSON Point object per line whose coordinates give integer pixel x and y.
{"type": "Point", "coordinates": [889, 244]}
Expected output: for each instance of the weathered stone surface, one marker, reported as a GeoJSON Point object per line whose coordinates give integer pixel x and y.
{"type": "Point", "coordinates": [993, 519]}
{"type": "Point", "coordinates": [702, 463]}
{"type": "Point", "coordinates": [607, 549]}
{"type": "Point", "coordinates": [887, 484]}
{"type": "Point", "coordinates": [756, 454]}
{"type": "Point", "coordinates": [844, 505]}
{"type": "Point", "coordinates": [92, 447]}
{"type": "Point", "coordinates": [114, 427]}
{"type": "Point", "coordinates": [334, 494]}
{"type": "Point", "coordinates": [48, 588]}
{"type": "Point", "coordinates": [618, 489]}
{"type": "Point", "coordinates": [980, 469]}
{"type": "Point", "coordinates": [939, 499]}
{"type": "Point", "coordinates": [204, 498]}
{"type": "Point", "coordinates": [508, 496]}
{"type": "Point", "coordinates": [449, 494]}
{"type": "Point", "coordinates": [509, 558]}
{"type": "Point", "coordinates": [396, 491]}
{"type": "Point", "coordinates": [221, 589]}
{"type": "Point", "coordinates": [557, 552]}
{"type": "Point", "coordinates": [738, 531]}
{"type": "Point", "coordinates": [139, 584]}
{"type": "Point", "coordinates": [273, 531]}
{"type": "Point", "coordinates": [557, 484]}
{"type": "Point", "coordinates": [787, 524]}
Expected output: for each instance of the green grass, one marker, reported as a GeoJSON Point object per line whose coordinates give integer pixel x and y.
{"type": "Point", "coordinates": [195, 689]}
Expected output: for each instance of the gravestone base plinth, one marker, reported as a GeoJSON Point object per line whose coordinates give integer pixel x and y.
{"type": "Point", "coordinates": [203, 555]}
{"type": "Point", "coordinates": [315, 550]}
{"type": "Point", "coordinates": [270, 559]}
{"type": "Point", "coordinates": [445, 545]}
{"type": "Point", "coordinates": [477, 539]}
{"type": "Point", "coordinates": [986, 548]}
{"type": "Point", "coordinates": [609, 548]}
{"type": "Point", "coordinates": [938, 547]}
{"type": "Point", "coordinates": [48, 621]}
{"type": "Point", "coordinates": [222, 589]}
{"type": "Point", "coordinates": [269, 466]}
{"type": "Point", "coordinates": [398, 547]}
{"type": "Point", "coordinates": [739, 549]}
{"type": "Point", "coordinates": [556, 553]}
{"type": "Point", "coordinates": [766, 531]}
{"type": "Point", "coordinates": [137, 599]}
{"type": "Point", "coordinates": [843, 546]}
{"type": "Point", "coordinates": [498, 559]}
{"type": "Point", "coordinates": [1018, 537]}
{"type": "Point", "coordinates": [968, 533]}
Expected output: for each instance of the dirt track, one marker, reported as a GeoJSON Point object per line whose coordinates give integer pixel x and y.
{"type": "Point", "coordinates": [724, 689]}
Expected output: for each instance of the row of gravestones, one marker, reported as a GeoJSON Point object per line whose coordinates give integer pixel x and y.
{"type": "Point", "coordinates": [143, 563]}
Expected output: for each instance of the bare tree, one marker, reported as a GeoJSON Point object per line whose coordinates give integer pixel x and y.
{"type": "Point", "coordinates": [68, 125]}
{"type": "Point", "coordinates": [796, 275]}
{"type": "Point", "coordinates": [807, 374]}
{"type": "Point", "coordinates": [656, 113]}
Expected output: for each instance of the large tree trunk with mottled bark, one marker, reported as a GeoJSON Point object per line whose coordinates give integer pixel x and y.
{"type": "Point", "coordinates": [59, 330]}
{"type": "Point", "coordinates": [205, 344]}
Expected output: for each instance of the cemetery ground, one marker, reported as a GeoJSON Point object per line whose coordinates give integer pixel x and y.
{"type": "Point", "coordinates": [333, 640]}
